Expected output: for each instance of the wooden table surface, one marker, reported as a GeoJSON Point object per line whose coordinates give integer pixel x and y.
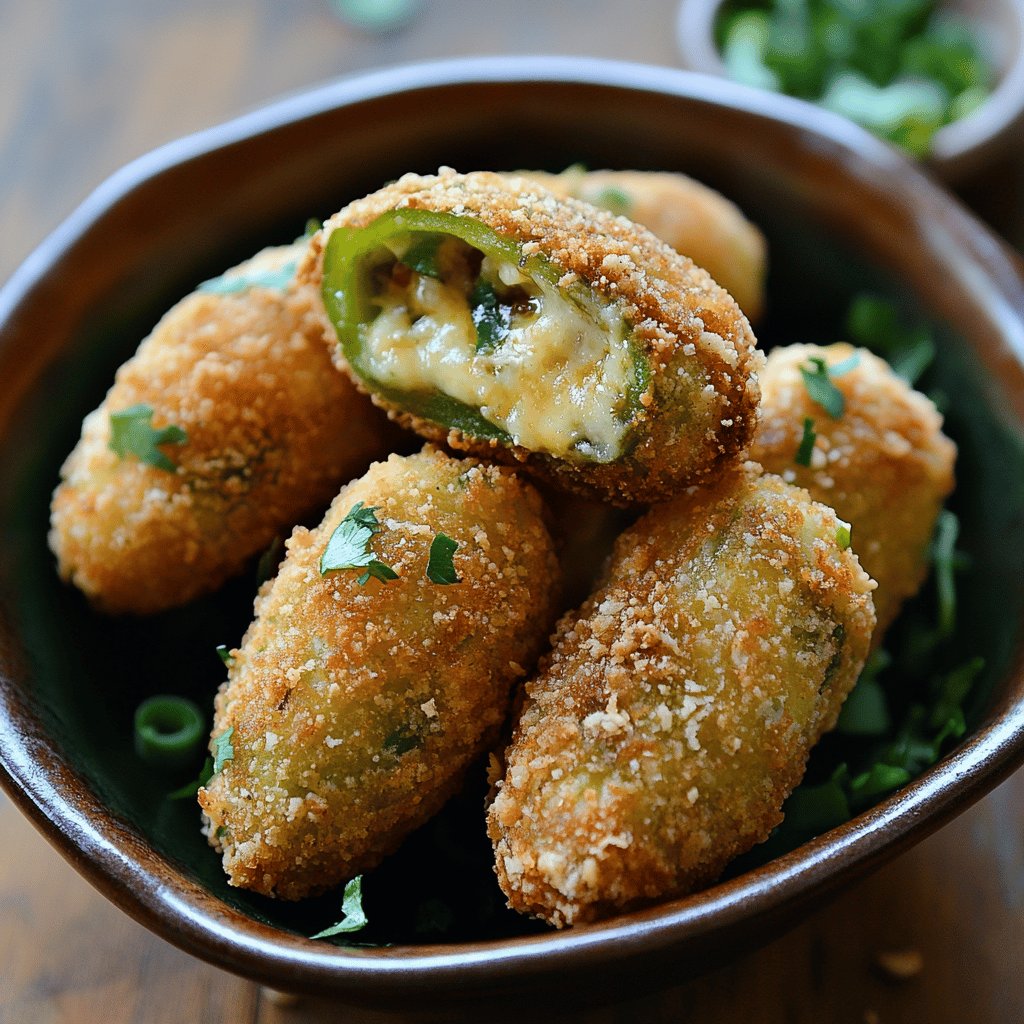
{"type": "Point", "coordinates": [86, 85]}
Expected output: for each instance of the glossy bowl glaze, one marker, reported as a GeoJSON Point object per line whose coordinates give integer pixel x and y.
{"type": "Point", "coordinates": [958, 149]}
{"type": "Point", "coordinates": [842, 212]}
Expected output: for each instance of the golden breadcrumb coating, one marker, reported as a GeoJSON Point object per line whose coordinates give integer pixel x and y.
{"type": "Point", "coordinates": [273, 430]}
{"type": "Point", "coordinates": [691, 217]}
{"type": "Point", "coordinates": [678, 707]}
{"type": "Point", "coordinates": [356, 709]}
{"type": "Point", "coordinates": [884, 465]}
{"type": "Point", "coordinates": [699, 409]}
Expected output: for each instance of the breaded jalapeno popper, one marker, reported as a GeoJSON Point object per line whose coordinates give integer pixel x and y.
{"type": "Point", "coordinates": [678, 707]}
{"type": "Point", "coordinates": [875, 452]}
{"type": "Point", "coordinates": [228, 426]}
{"type": "Point", "coordinates": [694, 219]}
{"type": "Point", "coordinates": [483, 311]}
{"type": "Point", "coordinates": [378, 668]}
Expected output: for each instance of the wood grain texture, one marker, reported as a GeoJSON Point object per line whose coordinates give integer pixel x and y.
{"type": "Point", "coordinates": [86, 85]}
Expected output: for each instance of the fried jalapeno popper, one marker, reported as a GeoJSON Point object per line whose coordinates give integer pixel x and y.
{"type": "Point", "coordinates": [694, 219]}
{"type": "Point", "coordinates": [679, 705]}
{"type": "Point", "coordinates": [485, 312]}
{"type": "Point", "coordinates": [882, 463]}
{"type": "Point", "coordinates": [378, 668]}
{"type": "Point", "coordinates": [228, 426]}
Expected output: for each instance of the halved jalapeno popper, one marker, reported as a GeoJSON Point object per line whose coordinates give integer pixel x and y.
{"type": "Point", "coordinates": [484, 311]}
{"type": "Point", "coordinates": [378, 668]}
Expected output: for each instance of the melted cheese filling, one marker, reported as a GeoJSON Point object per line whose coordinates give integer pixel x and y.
{"type": "Point", "coordinates": [559, 382]}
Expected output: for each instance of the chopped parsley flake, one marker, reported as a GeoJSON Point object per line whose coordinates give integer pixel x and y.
{"type": "Point", "coordinates": [422, 255]}
{"type": "Point", "coordinates": [843, 535]}
{"type": "Point", "coordinates": [845, 366]}
{"type": "Point", "coordinates": [225, 655]}
{"type": "Point", "coordinates": [440, 566]}
{"type": "Point", "coordinates": [132, 433]}
{"type": "Point", "coordinates": [233, 283]}
{"type": "Point", "coordinates": [490, 318]}
{"type": "Point", "coordinates": [873, 322]}
{"type": "Point", "coordinates": [944, 558]}
{"type": "Point", "coordinates": [353, 916]}
{"type": "Point", "coordinates": [806, 449]}
{"type": "Point", "coordinates": [269, 561]}
{"type": "Point", "coordinates": [865, 712]}
{"type": "Point", "coordinates": [223, 751]}
{"type": "Point", "coordinates": [349, 547]}
{"type": "Point", "coordinates": [818, 382]}
{"type": "Point", "coordinates": [190, 789]}
{"type": "Point", "coordinates": [614, 200]}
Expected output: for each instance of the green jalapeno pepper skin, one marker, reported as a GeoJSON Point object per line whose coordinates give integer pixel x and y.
{"type": "Point", "coordinates": [690, 405]}
{"type": "Point", "coordinates": [678, 706]}
{"type": "Point", "coordinates": [345, 294]}
{"type": "Point", "coordinates": [355, 705]}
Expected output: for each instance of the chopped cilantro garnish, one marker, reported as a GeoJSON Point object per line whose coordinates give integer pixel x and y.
{"type": "Point", "coordinates": [947, 529]}
{"type": "Point", "coordinates": [866, 711]}
{"type": "Point", "coordinates": [878, 780]}
{"type": "Point", "coordinates": [223, 751]}
{"type": "Point", "coordinates": [844, 533]}
{"type": "Point", "coordinates": [818, 382]}
{"type": "Point", "coordinates": [349, 547]}
{"type": "Point", "coordinates": [913, 358]}
{"type": "Point", "coordinates": [806, 449]}
{"type": "Point", "coordinates": [902, 70]}
{"type": "Point", "coordinates": [190, 789]}
{"type": "Point", "coordinates": [874, 323]}
{"type": "Point", "coordinates": [845, 366]}
{"type": "Point", "coordinates": [232, 283]}
{"type": "Point", "coordinates": [353, 916]}
{"type": "Point", "coordinates": [422, 255]}
{"type": "Point", "coordinates": [613, 199]}
{"type": "Point", "coordinates": [378, 571]}
{"type": "Point", "coordinates": [365, 517]}
{"type": "Point", "coordinates": [947, 712]}
{"type": "Point", "coordinates": [489, 316]}
{"type": "Point", "coordinates": [225, 655]}
{"type": "Point", "coordinates": [811, 810]}
{"type": "Point", "coordinates": [269, 561]}
{"type": "Point", "coordinates": [132, 433]}
{"type": "Point", "coordinates": [440, 566]}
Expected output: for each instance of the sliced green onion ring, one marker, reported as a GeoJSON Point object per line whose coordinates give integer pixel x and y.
{"type": "Point", "coordinates": [169, 731]}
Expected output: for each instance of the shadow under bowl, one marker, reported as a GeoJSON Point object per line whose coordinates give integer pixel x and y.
{"type": "Point", "coordinates": [842, 213]}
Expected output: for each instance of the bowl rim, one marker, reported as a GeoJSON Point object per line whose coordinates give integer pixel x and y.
{"type": "Point", "coordinates": [146, 884]}
{"type": "Point", "coordinates": [958, 149]}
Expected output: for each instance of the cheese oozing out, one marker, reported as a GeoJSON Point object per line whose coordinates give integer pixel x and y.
{"type": "Point", "coordinates": [561, 379]}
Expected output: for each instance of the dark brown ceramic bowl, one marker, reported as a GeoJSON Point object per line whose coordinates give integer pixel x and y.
{"type": "Point", "coordinates": [958, 149]}
{"type": "Point", "coordinates": [842, 212]}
